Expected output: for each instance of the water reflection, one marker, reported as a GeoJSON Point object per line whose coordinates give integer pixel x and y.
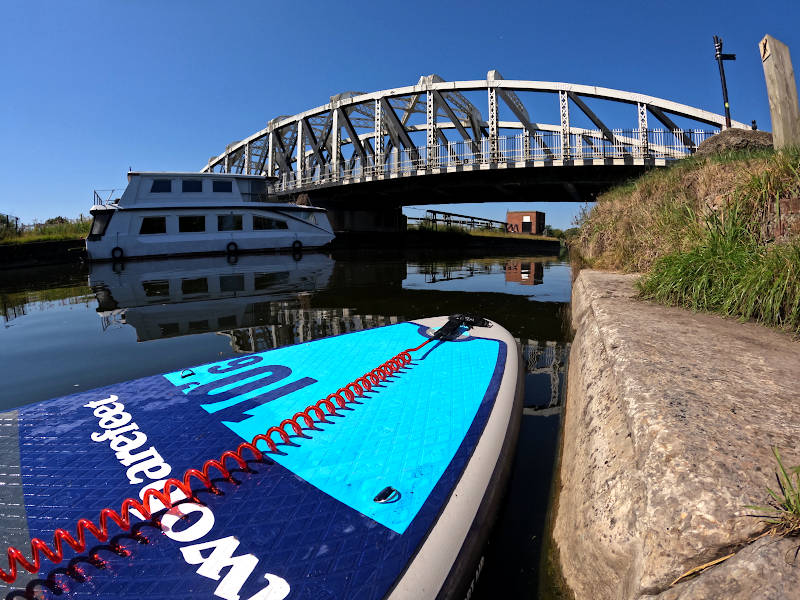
{"type": "Point", "coordinates": [168, 298]}
{"type": "Point", "coordinates": [524, 272]}
{"type": "Point", "coordinates": [157, 316]}
{"type": "Point", "coordinates": [263, 302]}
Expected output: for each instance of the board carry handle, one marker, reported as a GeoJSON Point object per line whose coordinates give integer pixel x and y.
{"type": "Point", "coordinates": [452, 329]}
{"type": "Point", "coordinates": [313, 414]}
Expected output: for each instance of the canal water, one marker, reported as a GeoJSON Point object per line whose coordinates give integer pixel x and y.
{"type": "Point", "coordinates": [76, 327]}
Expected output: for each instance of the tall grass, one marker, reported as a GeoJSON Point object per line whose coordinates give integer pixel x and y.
{"type": "Point", "coordinates": [634, 224]}
{"type": "Point", "coordinates": [53, 229]}
{"type": "Point", "coordinates": [703, 233]}
{"type": "Point", "coordinates": [732, 272]}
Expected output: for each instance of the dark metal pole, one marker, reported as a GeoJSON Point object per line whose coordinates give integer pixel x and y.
{"type": "Point", "coordinates": [721, 57]}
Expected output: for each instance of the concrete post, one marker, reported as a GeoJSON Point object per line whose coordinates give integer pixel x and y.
{"type": "Point", "coordinates": [782, 90]}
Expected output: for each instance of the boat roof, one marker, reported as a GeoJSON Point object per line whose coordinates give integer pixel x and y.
{"type": "Point", "coordinates": [196, 174]}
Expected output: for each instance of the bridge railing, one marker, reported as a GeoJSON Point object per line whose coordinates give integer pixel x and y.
{"type": "Point", "coordinates": [517, 150]}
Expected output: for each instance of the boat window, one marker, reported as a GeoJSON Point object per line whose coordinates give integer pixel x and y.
{"type": "Point", "coordinates": [156, 288]}
{"type": "Point", "coordinates": [198, 326]}
{"type": "Point", "coordinates": [161, 186]}
{"type": "Point", "coordinates": [227, 322]}
{"type": "Point", "coordinates": [309, 216]}
{"type": "Point", "coordinates": [231, 283]}
{"type": "Point", "coordinates": [264, 281]}
{"type": "Point", "coordinates": [223, 185]}
{"type": "Point", "coordinates": [267, 223]}
{"type": "Point", "coordinates": [191, 223]}
{"type": "Point", "coordinates": [229, 222]}
{"type": "Point", "coordinates": [153, 225]}
{"type": "Point", "coordinates": [258, 190]}
{"type": "Point", "coordinates": [194, 286]}
{"type": "Point", "coordinates": [192, 185]}
{"type": "Point", "coordinates": [99, 224]}
{"type": "Point", "coordinates": [169, 329]}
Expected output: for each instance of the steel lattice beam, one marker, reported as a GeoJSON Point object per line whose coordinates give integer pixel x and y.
{"type": "Point", "coordinates": [310, 144]}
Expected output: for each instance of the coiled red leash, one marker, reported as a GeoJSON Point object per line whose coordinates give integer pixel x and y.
{"type": "Point", "coordinates": [315, 413]}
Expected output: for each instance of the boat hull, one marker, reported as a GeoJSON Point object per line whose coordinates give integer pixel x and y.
{"type": "Point", "coordinates": [123, 240]}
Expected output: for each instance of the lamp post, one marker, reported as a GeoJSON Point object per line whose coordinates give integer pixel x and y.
{"type": "Point", "coordinates": [720, 57]}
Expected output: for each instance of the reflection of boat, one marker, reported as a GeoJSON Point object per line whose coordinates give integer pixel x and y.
{"type": "Point", "coordinates": [166, 298]}
{"type": "Point", "coordinates": [386, 488]}
{"type": "Point", "coordinates": [162, 214]}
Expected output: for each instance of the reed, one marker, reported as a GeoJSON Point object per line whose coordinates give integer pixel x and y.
{"type": "Point", "coordinates": [782, 511]}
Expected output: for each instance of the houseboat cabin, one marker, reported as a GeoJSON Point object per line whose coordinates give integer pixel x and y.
{"type": "Point", "coordinates": [167, 214]}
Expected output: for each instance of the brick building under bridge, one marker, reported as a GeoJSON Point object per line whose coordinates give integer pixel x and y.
{"type": "Point", "coordinates": [525, 221]}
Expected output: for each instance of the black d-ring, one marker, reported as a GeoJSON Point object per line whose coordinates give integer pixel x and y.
{"type": "Point", "coordinates": [232, 248]}
{"type": "Point", "coordinates": [387, 495]}
{"type": "Point", "coordinates": [117, 253]}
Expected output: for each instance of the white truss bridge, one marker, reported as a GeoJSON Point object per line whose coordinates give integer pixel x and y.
{"type": "Point", "coordinates": [437, 127]}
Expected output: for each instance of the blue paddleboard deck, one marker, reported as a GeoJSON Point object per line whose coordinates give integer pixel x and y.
{"type": "Point", "coordinates": [304, 523]}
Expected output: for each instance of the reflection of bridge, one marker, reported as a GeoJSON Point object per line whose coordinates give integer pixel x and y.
{"type": "Point", "coordinates": [545, 362]}
{"type": "Point", "coordinates": [436, 128]}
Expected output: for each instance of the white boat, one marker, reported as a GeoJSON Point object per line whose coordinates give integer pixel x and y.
{"type": "Point", "coordinates": [167, 214]}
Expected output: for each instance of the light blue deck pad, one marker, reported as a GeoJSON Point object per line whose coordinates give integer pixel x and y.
{"type": "Point", "coordinates": [402, 434]}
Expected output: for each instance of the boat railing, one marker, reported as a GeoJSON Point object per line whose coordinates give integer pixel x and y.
{"type": "Point", "coordinates": [104, 197]}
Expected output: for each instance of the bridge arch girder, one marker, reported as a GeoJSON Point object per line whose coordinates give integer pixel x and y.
{"type": "Point", "coordinates": [378, 134]}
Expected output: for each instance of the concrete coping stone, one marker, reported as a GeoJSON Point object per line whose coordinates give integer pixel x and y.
{"type": "Point", "coordinates": [669, 425]}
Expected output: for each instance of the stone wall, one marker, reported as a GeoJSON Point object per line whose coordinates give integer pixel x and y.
{"type": "Point", "coordinates": [668, 429]}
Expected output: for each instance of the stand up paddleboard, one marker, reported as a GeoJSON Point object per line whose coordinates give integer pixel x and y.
{"type": "Point", "coordinates": [379, 460]}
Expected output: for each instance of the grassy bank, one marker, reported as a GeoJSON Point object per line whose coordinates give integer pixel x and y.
{"type": "Point", "coordinates": [708, 234]}
{"type": "Point", "coordinates": [58, 228]}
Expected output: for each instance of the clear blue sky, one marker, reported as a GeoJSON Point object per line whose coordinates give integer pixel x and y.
{"type": "Point", "coordinates": [92, 88]}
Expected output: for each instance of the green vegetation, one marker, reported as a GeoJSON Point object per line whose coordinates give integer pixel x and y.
{"type": "Point", "coordinates": [782, 514]}
{"type": "Point", "coordinates": [707, 235]}
{"type": "Point", "coordinates": [731, 273]}
{"type": "Point", "coordinates": [57, 228]}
